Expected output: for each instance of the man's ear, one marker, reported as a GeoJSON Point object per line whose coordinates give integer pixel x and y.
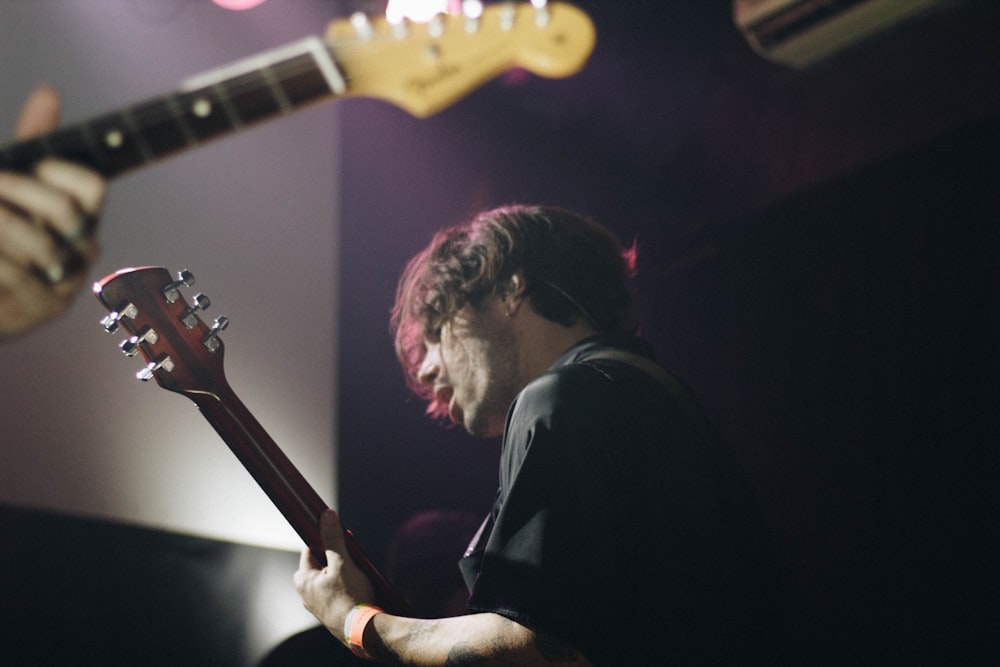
{"type": "Point", "coordinates": [514, 292]}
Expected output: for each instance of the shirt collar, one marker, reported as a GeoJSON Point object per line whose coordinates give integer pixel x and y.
{"type": "Point", "coordinates": [599, 341]}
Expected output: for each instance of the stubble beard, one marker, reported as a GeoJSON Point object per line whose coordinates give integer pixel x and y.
{"type": "Point", "coordinates": [488, 419]}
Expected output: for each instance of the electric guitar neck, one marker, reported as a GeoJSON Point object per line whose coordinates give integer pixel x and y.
{"type": "Point", "coordinates": [421, 68]}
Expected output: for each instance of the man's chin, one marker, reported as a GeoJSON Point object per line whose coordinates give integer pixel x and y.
{"type": "Point", "coordinates": [484, 431]}
{"type": "Point", "coordinates": [455, 415]}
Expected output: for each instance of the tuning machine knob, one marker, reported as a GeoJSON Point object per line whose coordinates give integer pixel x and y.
{"type": "Point", "coordinates": [212, 341]}
{"type": "Point", "coordinates": [147, 373]}
{"type": "Point", "coordinates": [131, 345]}
{"type": "Point", "coordinates": [172, 291]}
{"type": "Point", "coordinates": [363, 27]}
{"type": "Point", "coordinates": [111, 320]}
{"type": "Point", "coordinates": [190, 316]}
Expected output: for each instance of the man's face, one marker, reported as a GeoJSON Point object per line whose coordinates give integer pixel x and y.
{"type": "Point", "coordinates": [474, 369]}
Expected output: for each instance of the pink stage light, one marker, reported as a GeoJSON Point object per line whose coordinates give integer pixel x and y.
{"type": "Point", "coordinates": [238, 5]}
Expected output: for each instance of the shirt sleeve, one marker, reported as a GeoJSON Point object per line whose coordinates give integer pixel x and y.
{"type": "Point", "coordinates": [554, 512]}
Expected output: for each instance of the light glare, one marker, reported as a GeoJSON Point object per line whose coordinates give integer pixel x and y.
{"type": "Point", "coordinates": [472, 8]}
{"type": "Point", "coordinates": [418, 11]}
{"type": "Point", "coordinates": [238, 5]}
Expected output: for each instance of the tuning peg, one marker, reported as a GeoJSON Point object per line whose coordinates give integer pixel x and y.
{"type": "Point", "coordinates": [110, 322]}
{"type": "Point", "coordinates": [472, 10]}
{"type": "Point", "coordinates": [147, 373]}
{"type": "Point", "coordinates": [190, 316]}
{"type": "Point", "coordinates": [400, 26]}
{"type": "Point", "coordinates": [362, 26]}
{"type": "Point", "coordinates": [172, 291]}
{"type": "Point", "coordinates": [131, 346]}
{"type": "Point", "coordinates": [212, 339]}
{"type": "Point", "coordinates": [542, 15]}
{"type": "Point", "coordinates": [508, 15]}
{"type": "Point", "coordinates": [436, 26]}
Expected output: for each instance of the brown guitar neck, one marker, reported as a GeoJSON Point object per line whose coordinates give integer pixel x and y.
{"type": "Point", "coordinates": [186, 357]}
{"type": "Point", "coordinates": [283, 484]}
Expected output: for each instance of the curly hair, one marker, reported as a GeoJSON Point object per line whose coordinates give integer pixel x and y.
{"type": "Point", "coordinates": [573, 268]}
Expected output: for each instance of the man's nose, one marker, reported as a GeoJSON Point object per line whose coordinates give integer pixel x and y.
{"type": "Point", "coordinates": [430, 367]}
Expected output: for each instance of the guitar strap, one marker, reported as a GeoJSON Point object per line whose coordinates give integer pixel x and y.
{"type": "Point", "coordinates": [674, 388]}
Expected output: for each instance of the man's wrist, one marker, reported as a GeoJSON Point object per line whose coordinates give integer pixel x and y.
{"type": "Point", "coordinates": [354, 627]}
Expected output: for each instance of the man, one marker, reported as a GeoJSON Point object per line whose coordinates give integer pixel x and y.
{"type": "Point", "coordinates": [47, 220]}
{"type": "Point", "coordinates": [420, 562]}
{"type": "Point", "coordinates": [623, 533]}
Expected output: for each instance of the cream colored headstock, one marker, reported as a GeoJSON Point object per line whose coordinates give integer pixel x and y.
{"type": "Point", "coordinates": [424, 67]}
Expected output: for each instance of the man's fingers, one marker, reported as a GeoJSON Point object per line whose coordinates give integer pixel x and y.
{"type": "Point", "coordinates": [64, 198]}
{"type": "Point", "coordinates": [85, 186]}
{"type": "Point", "coordinates": [331, 532]}
{"type": "Point", "coordinates": [332, 535]}
{"type": "Point", "coordinates": [40, 113]}
{"type": "Point", "coordinates": [306, 560]}
{"type": "Point", "coordinates": [26, 301]}
{"type": "Point", "coordinates": [25, 244]}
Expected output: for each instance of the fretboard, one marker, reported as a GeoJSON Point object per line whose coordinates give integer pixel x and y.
{"type": "Point", "coordinates": [206, 107]}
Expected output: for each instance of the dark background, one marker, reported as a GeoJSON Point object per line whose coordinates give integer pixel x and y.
{"type": "Point", "coordinates": [818, 259]}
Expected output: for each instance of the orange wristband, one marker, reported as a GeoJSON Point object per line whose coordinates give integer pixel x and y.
{"type": "Point", "coordinates": [356, 622]}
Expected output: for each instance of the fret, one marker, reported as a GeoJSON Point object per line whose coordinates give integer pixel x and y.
{"type": "Point", "coordinates": [178, 113]}
{"type": "Point", "coordinates": [89, 140]}
{"type": "Point", "coordinates": [161, 128]}
{"type": "Point", "coordinates": [249, 97]}
{"type": "Point", "coordinates": [274, 85]}
{"type": "Point", "coordinates": [135, 133]}
{"type": "Point", "coordinates": [301, 82]}
{"type": "Point", "coordinates": [226, 104]}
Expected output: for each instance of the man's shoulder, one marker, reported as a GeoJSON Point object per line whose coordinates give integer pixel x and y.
{"type": "Point", "coordinates": [604, 344]}
{"type": "Point", "coordinates": [559, 389]}
{"type": "Point", "coordinates": [578, 390]}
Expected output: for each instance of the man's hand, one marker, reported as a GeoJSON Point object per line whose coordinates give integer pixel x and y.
{"type": "Point", "coordinates": [47, 222]}
{"type": "Point", "coordinates": [330, 592]}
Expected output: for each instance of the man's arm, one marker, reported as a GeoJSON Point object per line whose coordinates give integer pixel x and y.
{"type": "Point", "coordinates": [47, 220]}
{"type": "Point", "coordinates": [332, 591]}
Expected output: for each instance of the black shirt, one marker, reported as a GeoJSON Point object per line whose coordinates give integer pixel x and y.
{"type": "Point", "coordinates": [622, 525]}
